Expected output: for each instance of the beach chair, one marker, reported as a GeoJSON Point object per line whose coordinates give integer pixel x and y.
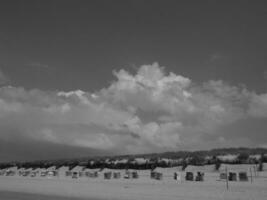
{"type": "Point", "coordinates": [200, 176]}
{"type": "Point", "coordinates": [107, 175]}
{"type": "Point", "coordinates": [243, 176]}
{"type": "Point", "coordinates": [189, 176]}
{"type": "Point", "coordinates": [232, 176]}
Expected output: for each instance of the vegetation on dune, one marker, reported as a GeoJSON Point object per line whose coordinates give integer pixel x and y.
{"type": "Point", "coordinates": [150, 161]}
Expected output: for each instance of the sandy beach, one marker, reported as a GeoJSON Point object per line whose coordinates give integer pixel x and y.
{"type": "Point", "coordinates": [13, 188]}
{"type": "Point", "coordinates": [4, 195]}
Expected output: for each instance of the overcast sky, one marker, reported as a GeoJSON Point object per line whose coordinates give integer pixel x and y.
{"type": "Point", "coordinates": [82, 78]}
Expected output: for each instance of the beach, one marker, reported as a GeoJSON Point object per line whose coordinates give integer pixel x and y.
{"type": "Point", "coordinates": [4, 195]}
{"type": "Point", "coordinates": [20, 188]}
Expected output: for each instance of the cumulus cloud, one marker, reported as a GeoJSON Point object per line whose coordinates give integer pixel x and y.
{"type": "Point", "coordinates": [149, 111]}
{"type": "Point", "coordinates": [258, 106]}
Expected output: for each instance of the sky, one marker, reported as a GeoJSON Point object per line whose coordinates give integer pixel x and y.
{"type": "Point", "coordinates": [85, 78]}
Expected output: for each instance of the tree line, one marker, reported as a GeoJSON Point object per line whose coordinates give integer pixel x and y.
{"type": "Point", "coordinates": [166, 159]}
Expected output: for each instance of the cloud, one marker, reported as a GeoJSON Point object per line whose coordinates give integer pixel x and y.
{"type": "Point", "coordinates": [258, 106]}
{"type": "Point", "coordinates": [149, 111]}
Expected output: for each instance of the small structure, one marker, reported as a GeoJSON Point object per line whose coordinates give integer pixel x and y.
{"type": "Point", "coordinates": [232, 176]}
{"type": "Point", "coordinates": [68, 173]}
{"type": "Point", "coordinates": [135, 175]}
{"type": "Point", "coordinates": [131, 174]}
{"type": "Point", "coordinates": [127, 175]}
{"type": "Point", "coordinates": [159, 176]}
{"type": "Point", "coordinates": [74, 175]}
{"type": "Point", "coordinates": [24, 172]}
{"type": "Point", "coordinates": [62, 171]}
{"type": "Point", "coordinates": [189, 176]}
{"type": "Point", "coordinates": [243, 176]}
{"type": "Point", "coordinates": [223, 176]}
{"type": "Point", "coordinates": [82, 173]}
{"type": "Point", "coordinates": [177, 176]}
{"type": "Point", "coordinates": [35, 172]}
{"type": "Point", "coordinates": [51, 172]}
{"type": "Point", "coordinates": [156, 175]}
{"type": "Point", "coordinates": [75, 172]}
{"type": "Point", "coordinates": [43, 172]}
{"type": "Point", "coordinates": [200, 176]}
{"type": "Point", "coordinates": [158, 172]}
{"type": "Point", "coordinates": [153, 174]}
{"type": "Point", "coordinates": [21, 171]}
{"type": "Point", "coordinates": [237, 172]}
{"type": "Point", "coordinates": [116, 175]}
{"type": "Point", "coordinates": [92, 174]}
{"type": "Point", "coordinates": [197, 172]}
{"type": "Point", "coordinates": [107, 175]}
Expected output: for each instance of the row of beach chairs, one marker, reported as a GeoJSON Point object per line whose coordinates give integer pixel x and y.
{"type": "Point", "coordinates": [189, 176]}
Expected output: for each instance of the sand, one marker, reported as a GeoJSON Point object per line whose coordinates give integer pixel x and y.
{"type": "Point", "coordinates": [143, 188]}
{"type": "Point", "coordinates": [28, 196]}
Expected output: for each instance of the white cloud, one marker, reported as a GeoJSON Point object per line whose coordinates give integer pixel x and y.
{"type": "Point", "coordinates": [258, 106]}
{"type": "Point", "coordinates": [149, 111]}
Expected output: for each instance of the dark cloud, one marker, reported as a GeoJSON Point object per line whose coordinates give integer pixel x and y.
{"type": "Point", "coordinates": [253, 130]}
{"type": "Point", "coordinates": [27, 150]}
{"type": "Point", "coordinates": [3, 78]}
